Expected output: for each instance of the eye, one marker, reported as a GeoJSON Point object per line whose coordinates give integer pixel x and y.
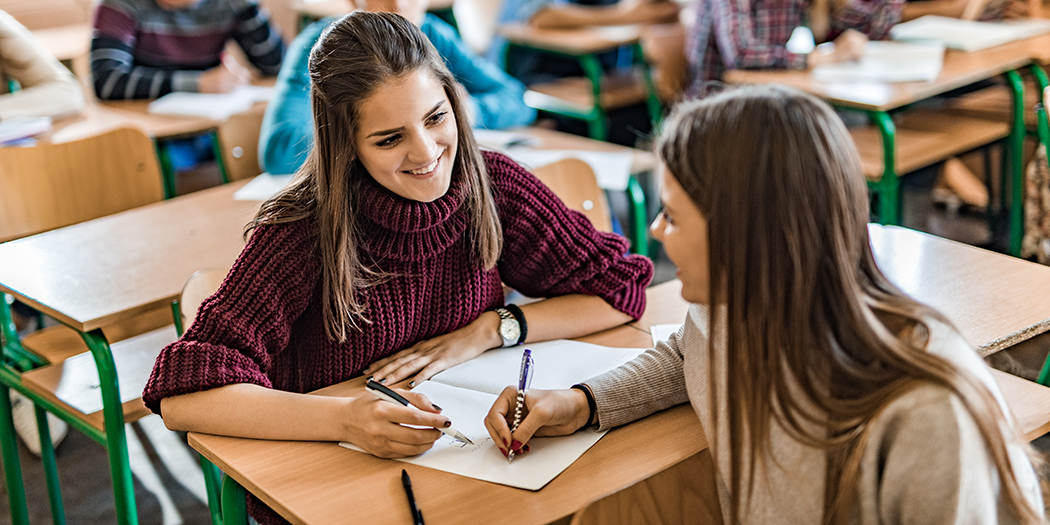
{"type": "Point", "coordinates": [390, 141]}
{"type": "Point", "coordinates": [437, 118]}
{"type": "Point", "coordinates": [666, 216]}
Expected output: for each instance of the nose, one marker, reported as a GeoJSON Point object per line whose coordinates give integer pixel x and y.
{"type": "Point", "coordinates": [656, 229]}
{"type": "Point", "coordinates": [422, 150]}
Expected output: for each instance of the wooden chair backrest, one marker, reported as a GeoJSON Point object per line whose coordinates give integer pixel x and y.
{"type": "Point", "coordinates": [199, 287]}
{"type": "Point", "coordinates": [239, 142]}
{"type": "Point", "coordinates": [664, 48]}
{"type": "Point", "coordinates": [48, 186]}
{"type": "Point", "coordinates": [573, 181]}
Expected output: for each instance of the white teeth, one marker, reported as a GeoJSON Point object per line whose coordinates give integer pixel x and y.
{"type": "Point", "coordinates": [427, 169]}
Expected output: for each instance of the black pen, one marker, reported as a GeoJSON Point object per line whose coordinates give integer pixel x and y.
{"type": "Point", "coordinates": [417, 515]}
{"type": "Point", "coordinates": [386, 394]}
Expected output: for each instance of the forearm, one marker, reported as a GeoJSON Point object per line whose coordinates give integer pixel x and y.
{"type": "Point", "coordinates": [253, 411]}
{"type": "Point", "coordinates": [51, 99]}
{"type": "Point", "coordinates": [576, 16]}
{"type": "Point", "coordinates": [569, 316]}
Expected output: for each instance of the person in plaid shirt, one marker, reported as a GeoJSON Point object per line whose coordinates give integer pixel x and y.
{"type": "Point", "coordinates": [752, 34]}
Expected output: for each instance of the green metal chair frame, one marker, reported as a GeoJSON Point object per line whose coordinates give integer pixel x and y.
{"type": "Point", "coordinates": [1043, 131]}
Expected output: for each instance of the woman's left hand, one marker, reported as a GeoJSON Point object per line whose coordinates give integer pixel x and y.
{"type": "Point", "coordinates": [431, 356]}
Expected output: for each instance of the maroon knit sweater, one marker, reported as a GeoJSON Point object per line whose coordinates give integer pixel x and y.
{"type": "Point", "coordinates": [264, 325]}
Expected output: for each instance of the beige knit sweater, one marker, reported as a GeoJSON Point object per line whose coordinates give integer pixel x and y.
{"type": "Point", "coordinates": [925, 462]}
{"type": "Point", "coordinates": [47, 88]}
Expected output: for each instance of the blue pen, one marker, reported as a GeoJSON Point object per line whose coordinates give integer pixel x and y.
{"type": "Point", "coordinates": [524, 380]}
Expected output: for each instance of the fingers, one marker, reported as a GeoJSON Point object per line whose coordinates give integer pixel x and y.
{"type": "Point", "coordinates": [420, 401]}
{"type": "Point", "coordinates": [496, 420]}
{"type": "Point", "coordinates": [401, 365]}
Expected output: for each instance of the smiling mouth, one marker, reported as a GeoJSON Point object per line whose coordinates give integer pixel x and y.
{"type": "Point", "coordinates": [425, 169]}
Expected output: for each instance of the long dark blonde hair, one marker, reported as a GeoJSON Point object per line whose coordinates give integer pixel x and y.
{"type": "Point", "coordinates": [353, 57]}
{"type": "Point", "coordinates": [778, 179]}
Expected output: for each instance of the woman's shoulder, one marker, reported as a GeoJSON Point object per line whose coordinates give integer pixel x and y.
{"type": "Point", "coordinates": [502, 168]}
{"type": "Point", "coordinates": [280, 237]}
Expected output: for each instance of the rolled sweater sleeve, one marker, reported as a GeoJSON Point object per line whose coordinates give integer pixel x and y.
{"type": "Point", "coordinates": [248, 320]}
{"type": "Point", "coordinates": [550, 250]}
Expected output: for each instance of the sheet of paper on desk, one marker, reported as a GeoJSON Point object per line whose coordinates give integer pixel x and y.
{"type": "Point", "coordinates": [216, 106]}
{"type": "Point", "coordinates": [663, 332]}
{"type": "Point", "coordinates": [612, 169]}
{"type": "Point", "coordinates": [501, 140]}
{"type": "Point", "coordinates": [262, 187]}
{"type": "Point", "coordinates": [16, 129]}
{"type": "Point", "coordinates": [547, 457]}
{"type": "Point", "coordinates": [966, 35]}
{"type": "Point", "coordinates": [559, 364]}
{"type": "Point", "coordinates": [888, 62]}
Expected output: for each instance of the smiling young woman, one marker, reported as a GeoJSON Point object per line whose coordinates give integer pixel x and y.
{"type": "Point", "coordinates": [387, 255]}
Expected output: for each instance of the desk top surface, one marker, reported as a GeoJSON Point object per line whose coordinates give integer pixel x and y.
{"type": "Point", "coordinates": [550, 139]}
{"type": "Point", "coordinates": [574, 41]}
{"type": "Point", "coordinates": [960, 69]}
{"type": "Point", "coordinates": [320, 483]}
{"type": "Point", "coordinates": [98, 272]}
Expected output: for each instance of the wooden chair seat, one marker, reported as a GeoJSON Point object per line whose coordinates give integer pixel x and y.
{"type": "Point", "coordinates": [74, 384]}
{"type": "Point", "coordinates": [576, 94]}
{"type": "Point", "coordinates": [925, 138]}
{"type": "Point", "coordinates": [994, 103]}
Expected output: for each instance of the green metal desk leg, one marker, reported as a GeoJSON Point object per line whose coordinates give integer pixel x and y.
{"type": "Point", "coordinates": [213, 486]}
{"type": "Point", "coordinates": [887, 189]}
{"type": "Point", "coordinates": [652, 99]}
{"type": "Point", "coordinates": [1041, 80]}
{"type": "Point", "coordinates": [234, 506]}
{"type": "Point", "coordinates": [596, 124]}
{"type": "Point", "coordinates": [16, 494]}
{"type": "Point", "coordinates": [638, 229]}
{"type": "Point", "coordinates": [216, 148]}
{"type": "Point", "coordinates": [116, 440]}
{"type": "Point", "coordinates": [1016, 155]}
{"type": "Point", "coordinates": [167, 170]}
{"type": "Point", "coordinates": [47, 458]}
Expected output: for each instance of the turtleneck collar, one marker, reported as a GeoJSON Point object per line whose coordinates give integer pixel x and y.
{"type": "Point", "coordinates": [402, 229]}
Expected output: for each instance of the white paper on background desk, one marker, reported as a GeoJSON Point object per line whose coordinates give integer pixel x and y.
{"type": "Point", "coordinates": [501, 140]}
{"type": "Point", "coordinates": [966, 35]}
{"type": "Point", "coordinates": [547, 457]}
{"type": "Point", "coordinates": [262, 187]}
{"type": "Point", "coordinates": [888, 62]}
{"type": "Point", "coordinates": [216, 106]}
{"type": "Point", "coordinates": [612, 169]}
{"type": "Point", "coordinates": [663, 332]}
{"type": "Point", "coordinates": [19, 128]}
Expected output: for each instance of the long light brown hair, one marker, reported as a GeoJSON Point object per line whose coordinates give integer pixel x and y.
{"type": "Point", "coordinates": [355, 56]}
{"type": "Point", "coordinates": [818, 340]}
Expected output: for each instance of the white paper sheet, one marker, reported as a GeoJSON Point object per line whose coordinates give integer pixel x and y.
{"type": "Point", "coordinates": [888, 62]}
{"type": "Point", "coordinates": [663, 332]}
{"type": "Point", "coordinates": [612, 169]}
{"type": "Point", "coordinates": [501, 140]}
{"type": "Point", "coordinates": [967, 35]}
{"type": "Point", "coordinates": [559, 364]}
{"type": "Point", "coordinates": [20, 128]}
{"type": "Point", "coordinates": [218, 106]}
{"type": "Point", "coordinates": [547, 457]}
{"type": "Point", "coordinates": [262, 187]}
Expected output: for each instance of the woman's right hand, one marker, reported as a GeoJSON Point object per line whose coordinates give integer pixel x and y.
{"type": "Point", "coordinates": [847, 46]}
{"type": "Point", "coordinates": [546, 413]}
{"type": "Point", "coordinates": [377, 426]}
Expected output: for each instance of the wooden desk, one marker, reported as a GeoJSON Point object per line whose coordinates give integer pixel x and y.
{"type": "Point", "coordinates": [589, 97]}
{"type": "Point", "coordinates": [319, 483]}
{"type": "Point", "coordinates": [877, 99]}
{"type": "Point", "coordinates": [108, 271]}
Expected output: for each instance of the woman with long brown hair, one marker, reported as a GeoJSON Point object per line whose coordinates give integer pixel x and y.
{"type": "Point", "coordinates": [386, 256]}
{"type": "Point", "coordinates": [827, 395]}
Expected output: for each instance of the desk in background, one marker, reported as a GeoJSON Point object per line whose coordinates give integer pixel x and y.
{"type": "Point", "coordinates": [927, 141]}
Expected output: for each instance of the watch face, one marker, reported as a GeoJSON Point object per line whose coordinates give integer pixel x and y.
{"type": "Point", "coordinates": [509, 329]}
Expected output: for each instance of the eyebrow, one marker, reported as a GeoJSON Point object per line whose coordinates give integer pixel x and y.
{"type": "Point", "coordinates": [395, 130]}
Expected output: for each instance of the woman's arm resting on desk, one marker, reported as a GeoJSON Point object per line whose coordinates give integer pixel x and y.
{"type": "Point", "coordinates": [561, 317]}
{"type": "Point", "coordinates": [253, 411]}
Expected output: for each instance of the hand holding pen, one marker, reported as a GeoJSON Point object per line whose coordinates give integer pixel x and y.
{"type": "Point", "coordinates": [544, 413]}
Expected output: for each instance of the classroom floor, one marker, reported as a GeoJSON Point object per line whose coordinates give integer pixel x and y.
{"type": "Point", "coordinates": [169, 487]}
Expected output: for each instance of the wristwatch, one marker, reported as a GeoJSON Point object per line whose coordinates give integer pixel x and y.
{"type": "Point", "coordinates": [512, 327]}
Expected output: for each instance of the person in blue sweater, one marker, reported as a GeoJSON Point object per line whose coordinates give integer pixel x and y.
{"type": "Point", "coordinates": [495, 102]}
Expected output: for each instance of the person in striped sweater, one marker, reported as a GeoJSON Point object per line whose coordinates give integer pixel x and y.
{"type": "Point", "coordinates": [145, 49]}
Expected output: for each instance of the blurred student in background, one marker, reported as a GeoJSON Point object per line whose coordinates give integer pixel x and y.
{"type": "Point", "coordinates": [45, 88]}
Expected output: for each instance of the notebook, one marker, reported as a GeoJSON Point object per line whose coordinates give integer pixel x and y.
{"type": "Point", "coordinates": [16, 129]}
{"type": "Point", "coordinates": [467, 391]}
{"type": "Point", "coordinates": [968, 35]}
{"type": "Point", "coordinates": [217, 106]}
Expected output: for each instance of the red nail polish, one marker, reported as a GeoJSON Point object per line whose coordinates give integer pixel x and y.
{"type": "Point", "coordinates": [515, 446]}
{"type": "Point", "coordinates": [501, 451]}
{"type": "Point", "coordinates": [524, 449]}
{"type": "Point", "coordinates": [504, 442]}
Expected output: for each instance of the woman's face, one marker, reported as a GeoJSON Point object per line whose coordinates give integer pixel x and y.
{"type": "Point", "coordinates": [683, 231]}
{"type": "Point", "coordinates": [407, 136]}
